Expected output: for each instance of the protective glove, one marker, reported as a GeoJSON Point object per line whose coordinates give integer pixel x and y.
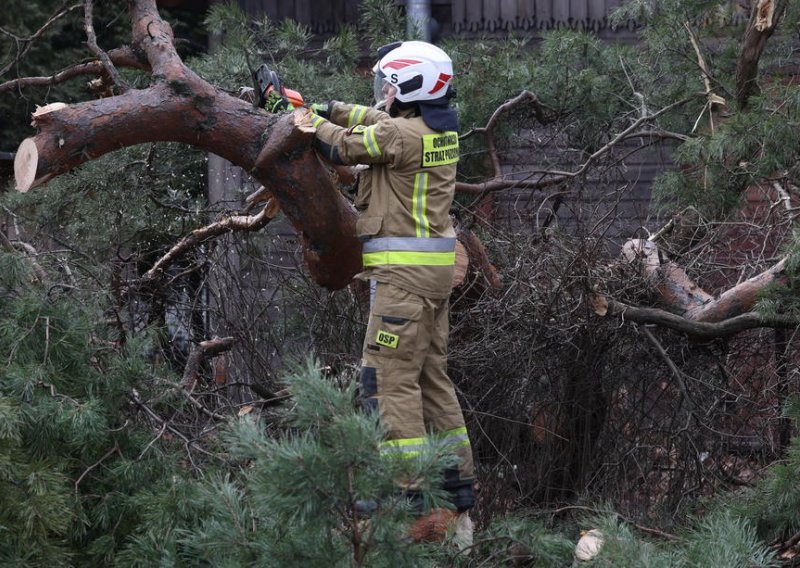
{"type": "Point", "coordinates": [323, 110]}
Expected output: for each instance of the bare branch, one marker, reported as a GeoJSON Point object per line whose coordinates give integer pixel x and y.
{"type": "Point", "coordinates": [24, 44]}
{"type": "Point", "coordinates": [734, 325]}
{"type": "Point", "coordinates": [122, 57]}
{"type": "Point", "coordinates": [549, 178]}
{"type": "Point", "coordinates": [108, 66]}
{"type": "Point", "coordinates": [201, 352]}
{"type": "Point", "coordinates": [488, 130]}
{"type": "Point", "coordinates": [227, 224]}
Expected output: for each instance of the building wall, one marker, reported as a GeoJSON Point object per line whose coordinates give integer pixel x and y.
{"type": "Point", "coordinates": [613, 203]}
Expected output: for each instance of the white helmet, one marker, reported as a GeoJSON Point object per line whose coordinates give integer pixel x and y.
{"type": "Point", "coordinates": [420, 71]}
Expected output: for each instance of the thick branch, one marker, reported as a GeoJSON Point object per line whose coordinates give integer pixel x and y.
{"type": "Point", "coordinates": [676, 289]}
{"type": "Point", "coordinates": [741, 298]}
{"type": "Point", "coordinates": [205, 350]}
{"type": "Point", "coordinates": [182, 107]}
{"type": "Point", "coordinates": [324, 220]}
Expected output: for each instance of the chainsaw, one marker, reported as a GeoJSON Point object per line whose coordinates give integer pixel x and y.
{"type": "Point", "coordinates": [272, 95]}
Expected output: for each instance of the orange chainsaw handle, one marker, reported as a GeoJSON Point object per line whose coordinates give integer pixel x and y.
{"type": "Point", "coordinates": [293, 96]}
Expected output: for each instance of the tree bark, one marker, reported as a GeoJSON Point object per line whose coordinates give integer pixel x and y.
{"type": "Point", "coordinates": [179, 106]}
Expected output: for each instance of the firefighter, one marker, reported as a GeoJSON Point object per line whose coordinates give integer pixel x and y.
{"type": "Point", "coordinates": [411, 147]}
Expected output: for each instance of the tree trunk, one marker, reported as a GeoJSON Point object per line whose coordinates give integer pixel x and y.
{"type": "Point", "coordinates": [763, 21]}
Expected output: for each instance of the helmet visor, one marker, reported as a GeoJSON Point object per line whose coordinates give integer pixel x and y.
{"type": "Point", "coordinates": [377, 86]}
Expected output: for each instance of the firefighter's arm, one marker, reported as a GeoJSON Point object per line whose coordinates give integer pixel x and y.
{"type": "Point", "coordinates": [360, 144]}
{"type": "Point", "coordinates": [347, 115]}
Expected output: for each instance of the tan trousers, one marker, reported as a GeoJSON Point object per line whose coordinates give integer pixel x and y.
{"type": "Point", "coordinates": [404, 378]}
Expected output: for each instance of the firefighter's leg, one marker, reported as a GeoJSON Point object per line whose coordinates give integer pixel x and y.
{"type": "Point", "coordinates": [390, 370]}
{"type": "Point", "coordinates": [442, 411]}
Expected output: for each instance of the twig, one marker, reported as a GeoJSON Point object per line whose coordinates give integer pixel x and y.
{"type": "Point", "coordinates": [647, 530]}
{"type": "Point", "coordinates": [108, 66]}
{"type": "Point", "coordinates": [199, 406]}
{"type": "Point", "coordinates": [95, 464]}
{"type": "Point", "coordinates": [671, 364]}
{"type": "Point", "coordinates": [137, 399]}
{"type": "Point", "coordinates": [153, 441]}
{"type": "Point", "coordinates": [39, 276]}
{"type": "Point", "coordinates": [550, 178]}
{"type": "Point", "coordinates": [623, 135]}
{"type": "Point", "coordinates": [488, 130]}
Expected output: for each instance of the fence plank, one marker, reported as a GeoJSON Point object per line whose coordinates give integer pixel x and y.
{"type": "Point", "coordinates": [509, 14]}
{"type": "Point", "coordinates": [526, 18]}
{"type": "Point", "coordinates": [474, 15]}
{"type": "Point", "coordinates": [322, 16]}
{"type": "Point", "coordinates": [459, 15]}
{"type": "Point", "coordinates": [268, 7]}
{"type": "Point", "coordinates": [561, 12]}
{"type": "Point", "coordinates": [598, 14]}
{"type": "Point", "coordinates": [303, 12]}
{"type": "Point", "coordinates": [491, 14]}
{"type": "Point", "coordinates": [544, 14]}
{"type": "Point", "coordinates": [578, 14]}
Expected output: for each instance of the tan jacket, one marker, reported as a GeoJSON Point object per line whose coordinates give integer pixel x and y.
{"type": "Point", "coordinates": [407, 193]}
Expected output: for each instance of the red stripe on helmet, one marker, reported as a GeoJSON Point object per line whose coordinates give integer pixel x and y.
{"type": "Point", "coordinates": [401, 63]}
{"type": "Point", "coordinates": [441, 82]}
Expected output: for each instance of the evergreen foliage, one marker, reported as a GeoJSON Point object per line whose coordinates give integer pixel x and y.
{"type": "Point", "coordinates": [288, 498]}
{"type": "Point", "coordinates": [717, 540]}
{"type": "Point", "coordinates": [774, 504]}
{"type": "Point", "coordinates": [68, 440]}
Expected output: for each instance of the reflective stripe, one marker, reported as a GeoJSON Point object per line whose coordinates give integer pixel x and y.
{"type": "Point", "coordinates": [419, 205]}
{"type": "Point", "coordinates": [414, 244]}
{"type": "Point", "coordinates": [457, 438]}
{"type": "Point", "coordinates": [410, 258]}
{"type": "Point", "coordinates": [370, 143]}
{"type": "Point", "coordinates": [404, 447]}
{"type": "Point", "coordinates": [356, 115]}
{"type": "Point", "coordinates": [316, 120]}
